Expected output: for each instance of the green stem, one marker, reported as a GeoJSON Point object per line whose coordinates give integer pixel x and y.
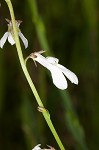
{"type": "Point", "coordinates": [23, 65]}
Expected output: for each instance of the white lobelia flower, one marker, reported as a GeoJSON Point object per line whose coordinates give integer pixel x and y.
{"type": "Point", "coordinates": [37, 147]}
{"type": "Point", "coordinates": [58, 71]}
{"type": "Point", "coordinates": [10, 36]}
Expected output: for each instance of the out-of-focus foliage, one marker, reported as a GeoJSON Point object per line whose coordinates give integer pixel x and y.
{"type": "Point", "coordinates": [71, 29]}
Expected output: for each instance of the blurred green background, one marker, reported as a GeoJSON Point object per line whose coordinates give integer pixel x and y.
{"type": "Point", "coordinates": [68, 30]}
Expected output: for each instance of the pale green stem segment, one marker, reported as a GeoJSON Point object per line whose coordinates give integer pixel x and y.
{"type": "Point", "coordinates": [24, 68]}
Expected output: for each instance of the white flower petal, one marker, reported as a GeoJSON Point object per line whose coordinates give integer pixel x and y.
{"type": "Point", "coordinates": [41, 59]}
{"type": "Point", "coordinates": [69, 74]}
{"type": "Point", "coordinates": [24, 40]}
{"type": "Point", "coordinates": [3, 39]}
{"type": "Point", "coordinates": [10, 39]}
{"type": "Point", "coordinates": [59, 79]}
{"type": "Point", "coordinates": [52, 60]}
{"type": "Point", "coordinates": [37, 147]}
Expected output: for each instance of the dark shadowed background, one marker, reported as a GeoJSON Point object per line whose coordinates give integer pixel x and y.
{"type": "Point", "coordinates": [68, 30]}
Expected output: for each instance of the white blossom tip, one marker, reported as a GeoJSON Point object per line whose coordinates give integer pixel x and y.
{"type": "Point", "coordinates": [3, 39]}
{"type": "Point", "coordinates": [24, 40]}
{"type": "Point", "coordinates": [69, 74]}
{"type": "Point", "coordinates": [75, 80]}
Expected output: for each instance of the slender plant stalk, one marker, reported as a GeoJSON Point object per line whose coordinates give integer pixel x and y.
{"type": "Point", "coordinates": [22, 62]}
